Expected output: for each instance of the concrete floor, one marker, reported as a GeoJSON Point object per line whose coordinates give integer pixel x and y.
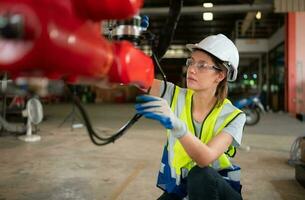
{"type": "Point", "coordinates": [66, 165]}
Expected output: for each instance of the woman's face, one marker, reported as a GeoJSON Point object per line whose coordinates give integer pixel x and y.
{"type": "Point", "coordinates": [202, 74]}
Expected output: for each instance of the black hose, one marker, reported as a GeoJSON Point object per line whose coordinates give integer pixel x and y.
{"type": "Point", "coordinates": [95, 137]}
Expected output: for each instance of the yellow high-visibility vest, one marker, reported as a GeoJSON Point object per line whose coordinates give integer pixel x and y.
{"type": "Point", "coordinates": [180, 159]}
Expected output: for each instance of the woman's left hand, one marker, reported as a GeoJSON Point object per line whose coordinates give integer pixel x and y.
{"type": "Point", "coordinates": [158, 109]}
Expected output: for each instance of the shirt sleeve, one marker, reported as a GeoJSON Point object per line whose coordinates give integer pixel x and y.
{"type": "Point", "coordinates": [235, 129]}
{"type": "Point", "coordinates": [169, 91]}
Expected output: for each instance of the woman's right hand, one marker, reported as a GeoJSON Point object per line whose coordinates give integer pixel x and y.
{"type": "Point", "coordinates": [158, 109]}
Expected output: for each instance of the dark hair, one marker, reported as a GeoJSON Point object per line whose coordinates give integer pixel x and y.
{"type": "Point", "coordinates": [222, 87]}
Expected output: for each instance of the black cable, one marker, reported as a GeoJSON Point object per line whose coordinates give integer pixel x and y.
{"type": "Point", "coordinates": [150, 37]}
{"type": "Point", "coordinates": [96, 138]}
{"type": "Point", "coordinates": [163, 74]}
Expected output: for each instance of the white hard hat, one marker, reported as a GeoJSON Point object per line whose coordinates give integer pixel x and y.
{"type": "Point", "coordinates": [222, 48]}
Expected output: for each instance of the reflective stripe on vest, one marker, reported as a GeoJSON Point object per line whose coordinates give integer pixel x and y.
{"type": "Point", "coordinates": [177, 159]}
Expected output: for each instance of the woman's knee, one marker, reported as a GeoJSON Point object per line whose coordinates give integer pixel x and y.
{"type": "Point", "coordinates": [202, 175]}
{"type": "Point", "coordinates": [201, 182]}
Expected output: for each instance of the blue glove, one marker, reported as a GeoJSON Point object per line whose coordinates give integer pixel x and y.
{"type": "Point", "coordinates": [158, 109]}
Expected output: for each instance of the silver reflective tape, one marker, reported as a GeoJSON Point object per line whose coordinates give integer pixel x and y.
{"type": "Point", "coordinates": [162, 168]}
{"type": "Point", "coordinates": [184, 172]}
{"type": "Point", "coordinates": [234, 175]}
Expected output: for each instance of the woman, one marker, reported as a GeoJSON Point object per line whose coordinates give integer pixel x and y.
{"type": "Point", "coordinates": [203, 126]}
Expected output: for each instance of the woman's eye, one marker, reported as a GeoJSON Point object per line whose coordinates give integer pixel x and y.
{"type": "Point", "coordinates": [201, 66]}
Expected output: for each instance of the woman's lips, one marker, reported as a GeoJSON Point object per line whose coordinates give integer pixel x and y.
{"type": "Point", "coordinates": [191, 79]}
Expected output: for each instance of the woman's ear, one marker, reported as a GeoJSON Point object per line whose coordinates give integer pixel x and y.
{"type": "Point", "coordinates": [221, 76]}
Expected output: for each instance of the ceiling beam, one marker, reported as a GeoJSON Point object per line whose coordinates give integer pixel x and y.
{"type": "Point", "coordinates": [247, 22]}
{"type": "Point", "coordinates": [191, 10]}
{"type": "Point", "coordinates": [187, 27]}
{"type": "Point", "coordinates": [249, 18]}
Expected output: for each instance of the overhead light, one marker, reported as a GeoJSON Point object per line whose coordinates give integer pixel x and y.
{"type": "Point", "coordinates": [258, 15]}
{"type": "Point", "coordinates": [208, 5]}
{"type": "Point", "coordinates": [207, 16]}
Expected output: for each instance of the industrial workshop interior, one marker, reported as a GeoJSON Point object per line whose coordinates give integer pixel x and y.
{"type": "Point", "coordinates": [152, 99]}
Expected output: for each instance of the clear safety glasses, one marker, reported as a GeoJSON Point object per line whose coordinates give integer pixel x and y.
{"type": "Point", "coordinates": [201, 65]}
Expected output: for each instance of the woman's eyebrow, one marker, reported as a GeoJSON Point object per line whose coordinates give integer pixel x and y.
{"type": "Point", "coordinates": [202, 61]}
{"type": "Point", "coordinates": [198, 60]}
{"type": "Point", "coordinates": [191, 57]}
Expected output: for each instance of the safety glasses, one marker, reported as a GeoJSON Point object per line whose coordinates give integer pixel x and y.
{"type": "Point", "coordinates": [201, 65]}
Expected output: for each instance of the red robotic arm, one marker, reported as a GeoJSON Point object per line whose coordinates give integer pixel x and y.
{"type": "Point", "coordinates": [62, 38]}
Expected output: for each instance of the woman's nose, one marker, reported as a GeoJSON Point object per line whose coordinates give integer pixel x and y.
{"type": "Point", "coordinates": [192, 69]}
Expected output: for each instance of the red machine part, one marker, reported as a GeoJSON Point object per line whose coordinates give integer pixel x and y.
{"type": "Point", "coordinates": [61, 39]}
{"type": "Point", "coordinates": [107, 9]}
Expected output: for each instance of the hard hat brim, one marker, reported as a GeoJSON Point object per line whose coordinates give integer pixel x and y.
{"type": "Point", "coordinates": [192, 47]}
